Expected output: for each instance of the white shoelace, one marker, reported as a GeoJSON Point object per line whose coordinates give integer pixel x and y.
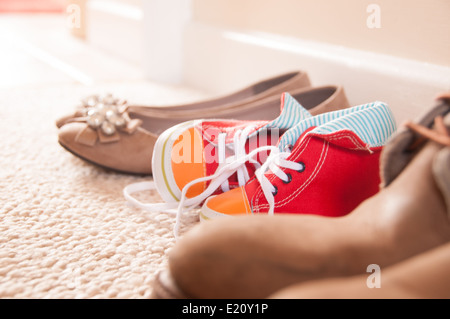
{"type": "Point", "coordinates": [275, 162]}
{"type": "Point", "coordinates": [226, 169]}
{"type": "Point", "coordinates": [239, 143]}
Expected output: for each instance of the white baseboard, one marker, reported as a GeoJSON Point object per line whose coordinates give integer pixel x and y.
{"type": "Point", "coordinates": [221, 61]}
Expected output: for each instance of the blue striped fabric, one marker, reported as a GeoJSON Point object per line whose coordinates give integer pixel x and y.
{"type": "Point", "coordinates": [292, 113]}
{"type": "Point", "coordinates": [374, 123]}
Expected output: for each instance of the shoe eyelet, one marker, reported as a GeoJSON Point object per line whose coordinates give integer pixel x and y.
{"type": "Point", "coordinates": [275, 192]}
{"type": "Point", "coordinates": [289, 179]}
{"type": "Point", "coordinates": [288, 148]}
{"type": "Point", "coordinates": [301, 170]}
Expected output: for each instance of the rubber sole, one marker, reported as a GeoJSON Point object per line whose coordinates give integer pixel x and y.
{"type": "Point", "coordinates": [207, 213]}
{"type": "Point", "coordinates": [161, 162]}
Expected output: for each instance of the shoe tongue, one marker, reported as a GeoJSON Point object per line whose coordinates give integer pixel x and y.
{"type": "Point", "coordinates": [292, 113]}
{"type": "Point", "coordinates": [373, 123]}
{"type": "Point", "coordinates": [291, 107]}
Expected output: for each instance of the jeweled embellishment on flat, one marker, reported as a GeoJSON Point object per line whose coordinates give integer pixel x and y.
{"type": "Point", "coordinates": [105, 113]}
{"type": "Point", "coordinates": [106, 119]}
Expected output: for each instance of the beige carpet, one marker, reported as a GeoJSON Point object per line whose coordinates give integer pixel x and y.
{"type": "Point", "coordinates": [65, 229]}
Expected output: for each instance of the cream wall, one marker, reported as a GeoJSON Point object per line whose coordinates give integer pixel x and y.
{"type": "Point", "coordinates": [413, 29]}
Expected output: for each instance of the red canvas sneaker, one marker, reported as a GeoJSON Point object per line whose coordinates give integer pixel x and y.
{"type": "Point", "coordinates": [325, 165]}
{"type": "Point", "coordinates": [199, 149]}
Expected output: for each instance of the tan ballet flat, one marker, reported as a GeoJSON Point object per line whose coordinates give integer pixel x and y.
{"type": "Point", "coordinates": [122, 138]}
